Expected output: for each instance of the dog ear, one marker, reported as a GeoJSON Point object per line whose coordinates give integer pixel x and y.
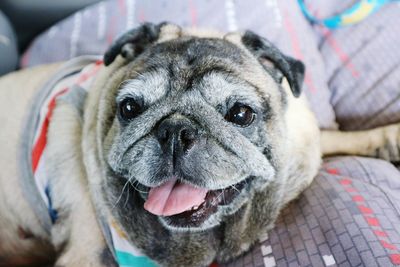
{"type": "Point", "coordinates": [134, 42]}
{"type": "Point", "coordinates": [264, 50]}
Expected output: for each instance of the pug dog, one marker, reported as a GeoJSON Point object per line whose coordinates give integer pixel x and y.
{"type": "Point", "coordinates": [192, 141]}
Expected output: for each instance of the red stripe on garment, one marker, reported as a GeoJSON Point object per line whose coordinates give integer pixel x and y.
{"type": "Point", "coordinates": [84, 76]}
{"type": "Point", "coordinates": [42, 139]}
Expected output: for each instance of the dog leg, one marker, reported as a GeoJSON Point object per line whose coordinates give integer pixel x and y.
{"type": "Point", "coordinates": [382, 142]}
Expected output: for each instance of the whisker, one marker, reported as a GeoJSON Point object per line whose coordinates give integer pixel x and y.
{"type": "Point", "coordinates": [216, 199]}
{"type": "Point", "coordinates": [136, 188]}
{"type": "Point", "coordinates": [127, 198]}
{"type": "Point", "coordinates": [234, 187]}
{"type": "Point", "coordinates": [120, 196]}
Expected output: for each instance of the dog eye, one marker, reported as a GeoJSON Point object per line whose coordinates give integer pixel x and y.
{"type": "Point", "coordinates": [241, 115]}
{"type": "Point", "coordinates": [129, 109]}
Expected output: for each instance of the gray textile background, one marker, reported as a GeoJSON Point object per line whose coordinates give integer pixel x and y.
{"type": "Point", "coordinates": [92, 30]}
{"type": "Point", "coordinates": [349, 216]}
{"type": "Point", "coordinates": [362, 65]}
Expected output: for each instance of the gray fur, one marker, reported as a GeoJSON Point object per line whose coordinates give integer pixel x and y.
{"type": "Point", "coordinates": [198, 80]}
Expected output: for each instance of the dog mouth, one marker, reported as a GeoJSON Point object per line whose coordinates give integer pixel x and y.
{"type": "Point", "coordinates": [183, 205]}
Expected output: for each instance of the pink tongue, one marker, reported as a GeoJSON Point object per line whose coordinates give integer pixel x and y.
{"type": "Point", "coordinates": [170, 199]}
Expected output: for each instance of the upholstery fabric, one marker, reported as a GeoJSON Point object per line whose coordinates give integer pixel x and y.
{"type": "Point", "coordinates": [362, 65]}
{"type": "Point", "coordinates": [349, 216]}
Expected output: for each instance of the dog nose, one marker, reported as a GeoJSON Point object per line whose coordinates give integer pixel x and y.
{"type": "Point", "coordinates": [177, 135]}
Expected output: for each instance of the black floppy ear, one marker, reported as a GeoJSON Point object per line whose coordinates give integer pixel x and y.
{"type": "Point", "coordinates": [133, 42]}
{"type": "Point", "coordinates": [263, 49]}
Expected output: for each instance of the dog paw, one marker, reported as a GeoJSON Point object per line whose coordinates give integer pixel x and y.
{"type": "Point", "coordinates": [390, 150]}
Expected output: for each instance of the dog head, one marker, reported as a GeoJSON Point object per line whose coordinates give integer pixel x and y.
{"type": "Point", "coordinates": [196, 124]}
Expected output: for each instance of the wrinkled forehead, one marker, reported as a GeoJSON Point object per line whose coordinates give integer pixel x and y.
{"type": "Point", "coordinates": [193, 52]}
{"type": "Point", "coordinates": [211, 67]}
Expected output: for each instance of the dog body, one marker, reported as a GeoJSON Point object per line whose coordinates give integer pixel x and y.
{"type": "Point", "coordinates": [181, 116]}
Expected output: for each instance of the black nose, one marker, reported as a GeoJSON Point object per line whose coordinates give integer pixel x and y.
{"type": "Point", "coordinates": [177, 135]}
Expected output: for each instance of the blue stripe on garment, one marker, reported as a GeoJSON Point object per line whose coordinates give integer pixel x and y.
{"type": "Point", "coordinates": [128, 260]}
{"type": "Point", "coordinates": [52, 212]}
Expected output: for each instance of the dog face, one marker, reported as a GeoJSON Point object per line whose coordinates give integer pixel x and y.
{"type": "Point", "coordinates": [197, 126]}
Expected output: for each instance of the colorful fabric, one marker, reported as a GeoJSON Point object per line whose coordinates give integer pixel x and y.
{"type": "Point", "coordinates": [355, 14]}
{"type": "Point", "coordinates": [126, 254]}
{"type": "Point", "coordinates": [39, 148]}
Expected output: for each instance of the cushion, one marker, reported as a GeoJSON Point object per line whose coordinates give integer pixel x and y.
{"type": "Point", "coordinates": [349, 216]}
{"type": "Point", "coordinates": [8, 46]}
{"type": "Point", "coordinates": [93, 29]}
{"type": "Point", "coordinates": [362, 65]}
